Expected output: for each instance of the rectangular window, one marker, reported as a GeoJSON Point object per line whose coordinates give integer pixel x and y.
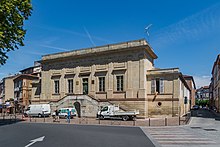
{"type": "Point", "coordinates": [56, 86]}
{"type": "Point", "coordinates": [157, 86]}
{"type": "Point", "coordinates": [70, 86]}
{"type": "Point", "coordinates": [153, 87]}
{"type": "Point", "coordinates": [119, 83]}
{"type": "Point", "coordinates": [101, 84]}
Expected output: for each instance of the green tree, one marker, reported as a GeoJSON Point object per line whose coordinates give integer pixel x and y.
{"type": "Point", "coordinates": [13, 13]}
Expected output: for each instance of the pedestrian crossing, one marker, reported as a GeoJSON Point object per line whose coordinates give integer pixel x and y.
{"type": "Point", "coordinates": [177, 137]}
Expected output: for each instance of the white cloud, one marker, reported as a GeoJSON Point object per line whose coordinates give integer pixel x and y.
{"type": "Point", "coordinates": [54, 47]}
{"type": "Point", "coordinates": [202, 81]}
{"type": "Point", "coordinates": [192, 27]}
{"type": "Point", "coordinates": [50, 28]}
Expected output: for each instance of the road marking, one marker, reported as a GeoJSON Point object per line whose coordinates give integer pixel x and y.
{"type": "Point", "coordinates": [35, 140]}
{"type": "Point", "coordinates": [177, 136]}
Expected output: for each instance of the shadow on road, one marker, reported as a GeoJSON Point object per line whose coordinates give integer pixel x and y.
{"type": "Point", "coordinates": [204, 113]}
{"type": "Point", "coordinates": [9, 121]}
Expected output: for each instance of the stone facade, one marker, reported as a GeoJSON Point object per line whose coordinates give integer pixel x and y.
{"type": "Point", "coordinates": [166, 93]}
{"type": "Point", "coordinates": [23, 89]}
{"type": "Point", "coordinates": [8, 88]}
{"type": "Point", "coordinates": [119, 74]}
{"type": "Point", "coordinates": [216, 84]}
{"type": "Point", "coordinates": [191, 83]}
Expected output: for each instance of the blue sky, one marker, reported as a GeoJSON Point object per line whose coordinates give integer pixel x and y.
{"type": "Point", "coordinates": [184, 33]}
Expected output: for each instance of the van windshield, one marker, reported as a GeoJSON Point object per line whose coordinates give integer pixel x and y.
{"type": "Point", "coordinates": [104, 109]}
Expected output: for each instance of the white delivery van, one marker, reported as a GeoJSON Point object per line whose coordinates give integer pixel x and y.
{"type": "Point", "coordinates": [38, 110]}
{"type": "Point", "coordinates": [63, 112]}
{"type": "Point", "coordinates": [113, 112]}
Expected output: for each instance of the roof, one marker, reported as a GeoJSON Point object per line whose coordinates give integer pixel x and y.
{"type": "Point", "coordinates": [169, 71]}
{"type": "Point", "coordinates": [190, 78]}
{"type": "Point", "coordinates": [32, 67]}
{"type": "Point", "coordinates": [26, 76]}
{"type": "Point", "coordinates": [100, 49]}
{"type": "Point", "coordinates": [205, 87]}
{"type": "Point", "coordinates": [162, 71]}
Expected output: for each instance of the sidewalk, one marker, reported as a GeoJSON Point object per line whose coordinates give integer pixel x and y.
{"type": "Point", "coordinates": [207, 127]}
{"type": "Point", "coordinates": [217, 115]}
{"type": "Point", "coordinates": [200, 132]}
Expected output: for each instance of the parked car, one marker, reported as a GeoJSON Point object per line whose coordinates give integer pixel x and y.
{"type": "Point", "coordinates": [38, 110]}
{"type": "Point", "coordinates": [195, 107]}
{"type": "Point", "coordinates": [63, 112]}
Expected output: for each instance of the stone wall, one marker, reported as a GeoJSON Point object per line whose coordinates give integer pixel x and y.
{"type": "Point", "coordinates": [132, 64]}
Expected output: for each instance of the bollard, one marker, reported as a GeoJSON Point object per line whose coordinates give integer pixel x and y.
{"type": "Point", "coordinates": [30, 118]}
{"type": "Point", "coordinates": [15, 117]}
{"type": "Point", "coordinates": [149, 121]}
{"type": "Point", "coordinates": [165, 121]}
{"type": "Point", "coordinates": [179, 120]}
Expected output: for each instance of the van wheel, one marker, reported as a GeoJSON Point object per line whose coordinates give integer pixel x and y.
{"type": "Point", "coordinates": [125, 118]}
{"type": "Point", "coordinates": [39, 115]}
{"type": "Point", "coordinates": [101, 117]}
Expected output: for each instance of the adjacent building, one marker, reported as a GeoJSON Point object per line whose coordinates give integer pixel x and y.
{"type": "Point", "coordinates": [215, 84]}
{"type": "Point", "coordinates": [168, 93]}
{"type": "Point", "coordinates": [211, 97]}
{"type": "Point", "coordinates": [202, 93]}
{"type": "Point", "coordinates": [191, 83]}
{"type": "Point", "coordinates": [23, 90]}
{"type": "Point", "coordinates": [7, 93]}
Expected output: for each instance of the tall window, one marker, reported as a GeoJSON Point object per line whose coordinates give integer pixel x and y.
{"type": "Point", "coordinates": [119, 83]}
{"type": "Point", "coordinates": [56, 86]}
{"type": "Point", "coordinates": [157, 86]}
{"type": "Point", "coordinates": [102, 84]}
{"type": "Point", "coordinates": [70, 86]}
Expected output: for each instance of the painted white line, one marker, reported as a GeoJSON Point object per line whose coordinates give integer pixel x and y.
{"type": "Point", "coordinates": [35, 140]}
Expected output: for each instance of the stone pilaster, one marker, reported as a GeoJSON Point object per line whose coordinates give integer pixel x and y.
{"type": "Point", "coordinates": [129, 85]}
{"type": "Point", "coordinates": [110, 81]}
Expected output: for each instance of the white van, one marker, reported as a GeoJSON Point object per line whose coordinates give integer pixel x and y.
{"type": "Point", "coordinates": [38, 110]}
{"type": "Point", "coordinates": [63, 112]}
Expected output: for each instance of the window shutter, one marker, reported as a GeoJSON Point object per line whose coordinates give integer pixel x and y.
{"type": "Point", "coordinates": [161, 86]}
{"type": "Point", "coordinates": [153, 86]}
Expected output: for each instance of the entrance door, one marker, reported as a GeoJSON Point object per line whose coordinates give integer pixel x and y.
{"type": "Point", "coordinates": [78, 108]}
{"type": "Point", "coordinates": [85, 86]}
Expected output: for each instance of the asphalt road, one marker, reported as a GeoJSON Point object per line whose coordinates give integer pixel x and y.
{"type": "Point", "coordinates": [202, 113]}
{"type": "Point", "coordinates": [61, 135]}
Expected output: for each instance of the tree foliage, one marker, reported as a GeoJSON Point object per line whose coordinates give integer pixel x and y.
{"type": "Point", "coordinates": [13, 13]}
{"type": "Point", "coordinates": [202, 102]}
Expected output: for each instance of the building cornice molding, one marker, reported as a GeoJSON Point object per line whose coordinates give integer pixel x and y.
{"type": "Point", "coordinates": [124, 46]}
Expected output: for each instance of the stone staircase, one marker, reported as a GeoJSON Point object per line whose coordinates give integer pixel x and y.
{"type": "Point", "coordinates": [89, 106]}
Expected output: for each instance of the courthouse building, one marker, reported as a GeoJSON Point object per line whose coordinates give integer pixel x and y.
{"type": "Point", "coordinates": [120, 73]}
